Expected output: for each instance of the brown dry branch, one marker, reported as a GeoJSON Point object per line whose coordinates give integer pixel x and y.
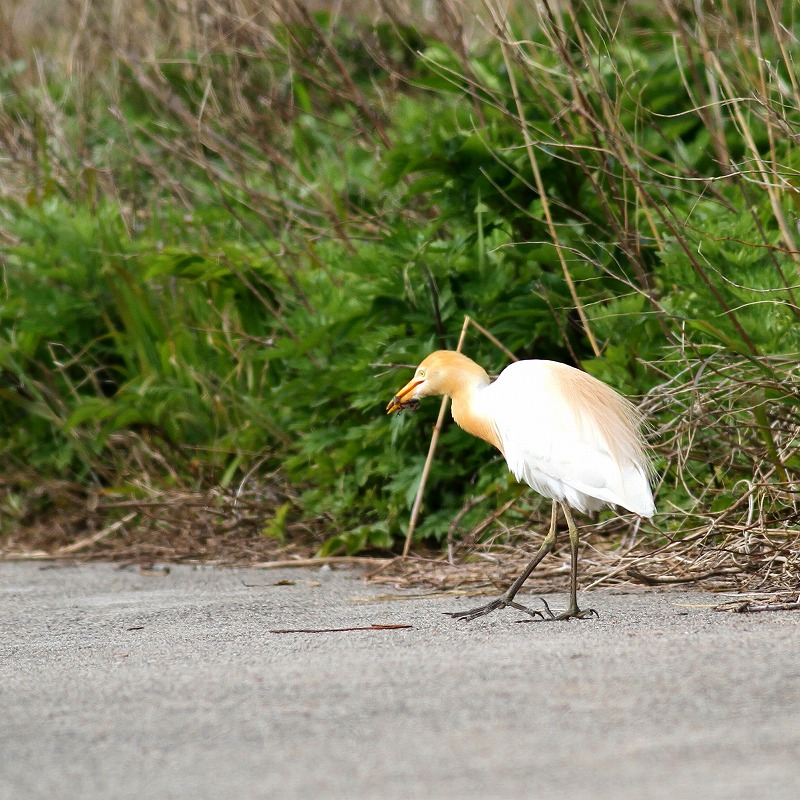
{"type": "Point", "coordinates": [373, 627]}
{"type": "Point", "coordinates": [438, 427]}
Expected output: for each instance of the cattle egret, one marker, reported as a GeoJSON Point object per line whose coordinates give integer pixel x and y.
{"type": "Point", "coordinates": [566, 434]}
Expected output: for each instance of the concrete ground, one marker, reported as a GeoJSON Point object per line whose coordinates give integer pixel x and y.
{"type": "Point", "coordinates": [120, 684]}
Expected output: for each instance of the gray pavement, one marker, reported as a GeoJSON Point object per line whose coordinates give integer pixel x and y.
{"type": "Point", "coordinates": [119, 684]}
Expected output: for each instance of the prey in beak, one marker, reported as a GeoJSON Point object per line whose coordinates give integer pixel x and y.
{"type": "Point", "coordinates": [402, 405]}
{"type": "Point", "coordinates": [403, 400]}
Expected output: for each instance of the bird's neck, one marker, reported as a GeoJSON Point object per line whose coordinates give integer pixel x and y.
{"type": "Point", "coordinates": [468, 414]}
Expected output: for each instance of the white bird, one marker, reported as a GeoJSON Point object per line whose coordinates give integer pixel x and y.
{"type": "Point", "coordinates": [566, 434]}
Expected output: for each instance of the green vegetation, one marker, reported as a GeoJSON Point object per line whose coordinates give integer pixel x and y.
{"type": "Point", "coordinates": [219, 234]}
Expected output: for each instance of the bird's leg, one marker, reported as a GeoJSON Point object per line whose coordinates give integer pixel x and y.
{"type": "Point", "coordinates": [573, 610]}
{"type": "Point", "coordinates": [507, 600]}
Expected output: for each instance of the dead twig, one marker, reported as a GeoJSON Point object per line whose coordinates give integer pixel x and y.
{"type": "Point", "coordinates": [320, 562]}
{"type": "Point", "coordinates": [82, 544]}
{"type": "Point", "coordinates": [417, 507]}
{"type": "Point", "coordinates": [344, 630]}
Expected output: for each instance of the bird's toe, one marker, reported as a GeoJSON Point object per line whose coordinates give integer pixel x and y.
{"type": "Point", "coordinates": [576, 613]}
{"type": "Point", "coordinates": [474, 613]}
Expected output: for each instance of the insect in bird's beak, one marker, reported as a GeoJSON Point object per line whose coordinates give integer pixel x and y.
{"type": "Point", "coordinates": [402, 400]}
{"type": "Point", "coordinates": [402, 405]}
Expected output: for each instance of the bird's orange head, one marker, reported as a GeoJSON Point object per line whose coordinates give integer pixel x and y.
{"type": "Point", "coordinates": [442, 372]}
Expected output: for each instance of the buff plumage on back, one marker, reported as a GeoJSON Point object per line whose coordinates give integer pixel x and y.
{"type": "Point", "coordinates": [617, 420]}
{"type": "Point", "coordinates": [570, 437]}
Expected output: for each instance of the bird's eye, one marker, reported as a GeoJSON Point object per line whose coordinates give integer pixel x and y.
{"type": "Point", "coordinates": [421, 373]}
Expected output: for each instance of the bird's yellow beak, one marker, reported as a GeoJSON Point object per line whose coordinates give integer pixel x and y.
{"type": "Point", "coordinates": [400, 400]}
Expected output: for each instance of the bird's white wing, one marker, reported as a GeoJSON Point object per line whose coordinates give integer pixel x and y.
{"type": "Point", "coordinates": [559, 444]}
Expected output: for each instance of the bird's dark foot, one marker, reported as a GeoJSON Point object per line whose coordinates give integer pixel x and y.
{"type": "Point", "coordinates": [573, 612]}
{"type": "Point", "coordinates": [501, 602]}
